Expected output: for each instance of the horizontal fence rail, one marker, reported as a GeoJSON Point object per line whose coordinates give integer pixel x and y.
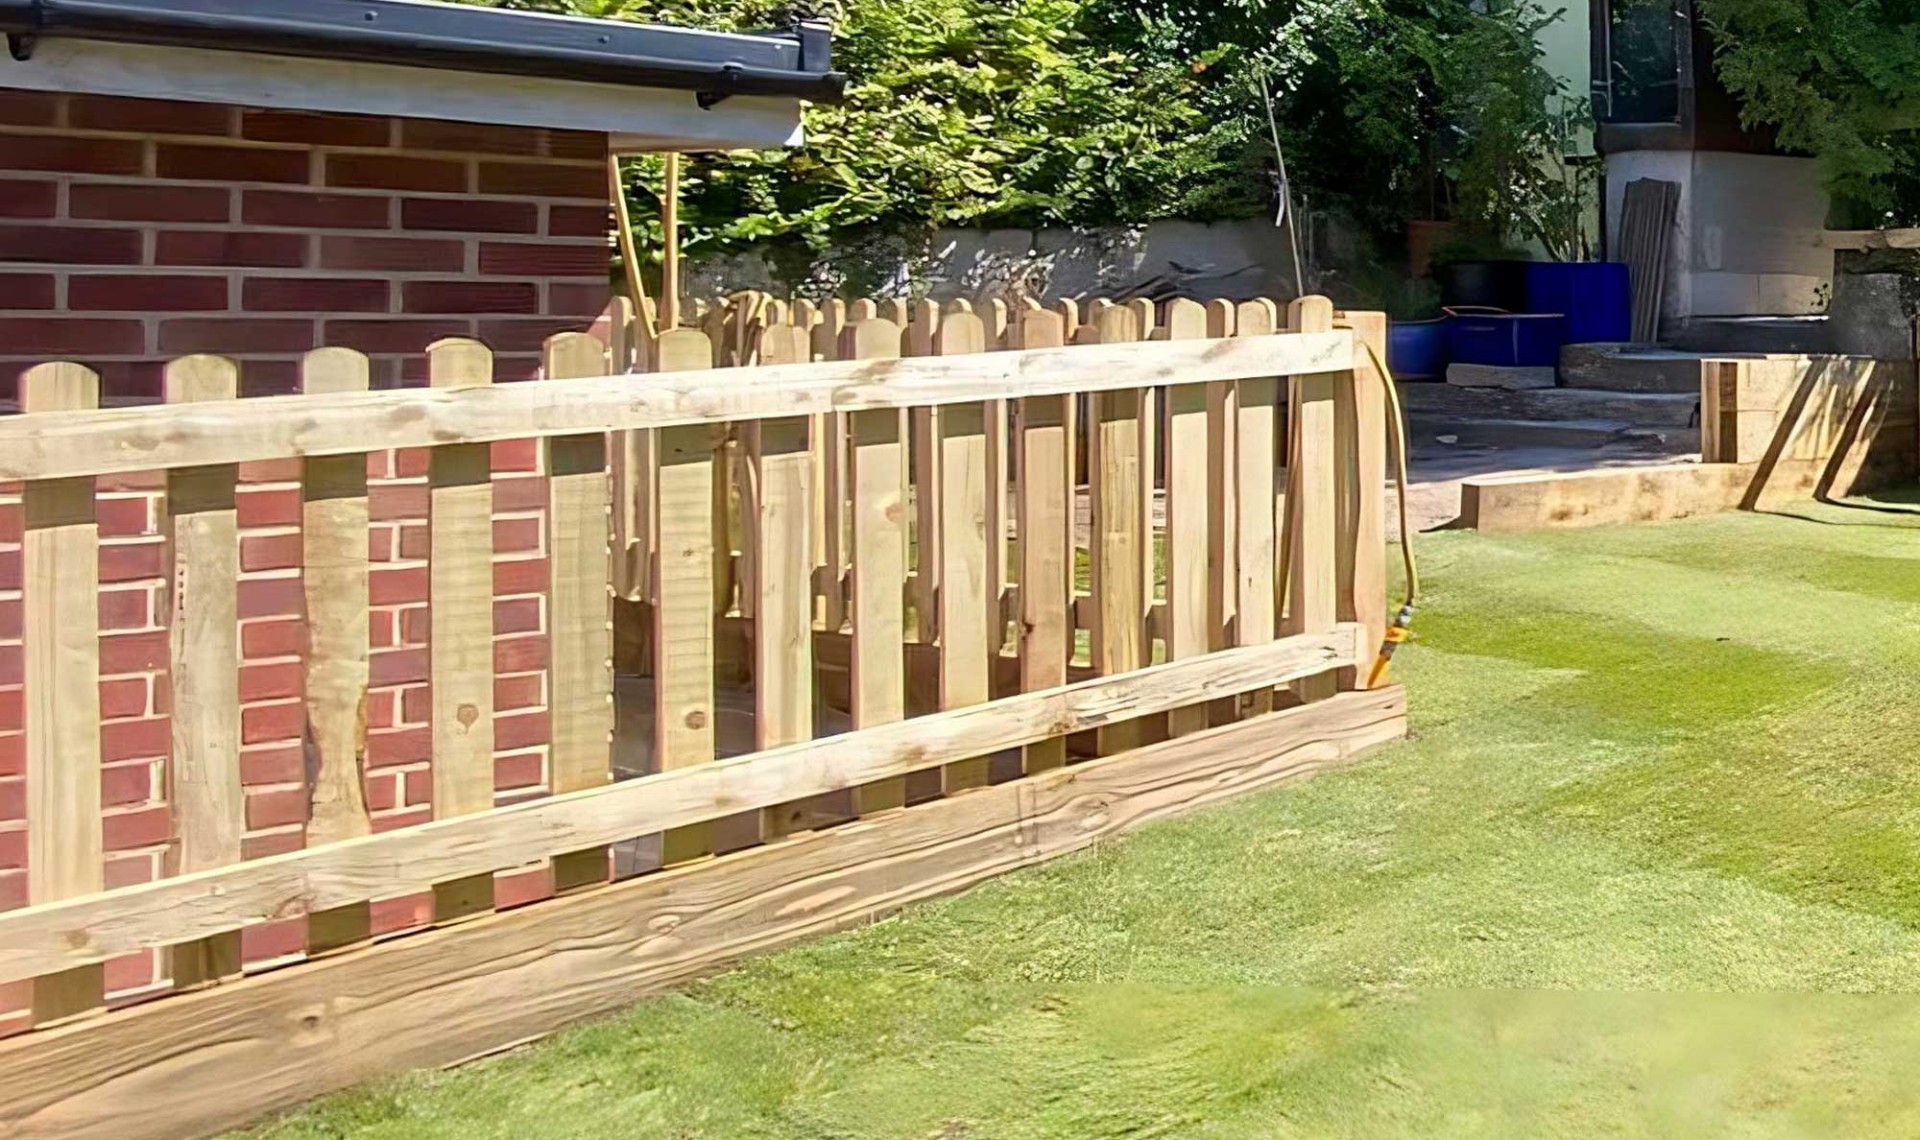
{"type": "Point", "coordinates": [788, 574]}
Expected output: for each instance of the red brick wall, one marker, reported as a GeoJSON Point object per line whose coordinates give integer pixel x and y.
{"type": "Point", "coordinates": [133, 231]}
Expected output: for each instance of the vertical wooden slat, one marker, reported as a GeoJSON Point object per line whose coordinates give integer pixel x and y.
{"type": "Point", "coordinates": [1222, 488]}
{"type": "Point", "coordinates": [878, 680]}
{"type": "Point", "coordinates": [779, 454]}
{"type": "Point", "coordinates": [579, 607]}
{"type": "Point", "coordinates": [460, 595]}
{"type": "Point", "coordinates": [684, 708]}
{"type": "Point", "coordinates": [1119, 488]}
{"type": "Point", "coordinates": [969, 610]}
{"type": "Point", "coordinates": [1312, 507]}
{"type": "Point", "coordinates": [1044, 463]}
{"type": "Point", "coordinates": [924, 454]}
{"type": "Point", "coordinates": [1189, 531]}
{"type": "Point", "coordinates": [1361, 410]}
{"type": "Point", "coordinates": [830, 481]}
{"type": "Point", "coordinates": [1255, 457]}
{"type": "Point", "coordinates": [333, 531]}
{"type": "Point", "coordinates": [60, 631]}
{"type": "Point", "coordinates": [203, 625]}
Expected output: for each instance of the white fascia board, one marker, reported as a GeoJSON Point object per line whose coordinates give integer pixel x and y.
{"type": "Point", "coordinates": [638, 118]}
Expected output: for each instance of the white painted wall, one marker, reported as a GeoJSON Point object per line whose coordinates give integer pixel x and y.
{"type": "Point", "coordinates": [1749, 236]}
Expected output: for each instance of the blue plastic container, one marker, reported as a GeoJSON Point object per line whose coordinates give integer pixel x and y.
{"type": "Point", "coordinates": [1417, 350]}
{"type": "Point", "coordinates": [1596, 296]}
{"type": "Point", "coordinates": [1507, 340]}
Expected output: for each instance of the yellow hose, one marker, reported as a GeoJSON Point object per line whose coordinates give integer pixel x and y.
{"type": "Point", "coordinates": [1401, 629]}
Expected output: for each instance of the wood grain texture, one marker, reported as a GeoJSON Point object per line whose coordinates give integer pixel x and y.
{"type": "Point", "coordinates": [1119, 470]}
{"type": "Point", "coordinates": [203, 629]}
{"type": "Point", "coordinates": [460, 637]}
{"type": "Point", "coordinates": [60, 599]}
{"type": "Point", "coordinates": [579, 605]}
{"type": "Point", "coordinates": [879, 501]}
{"type": "Point", "coordinates": [1313, 536]}
{"type": "Point", "coordinates": [452, 995]}
{"type": "Point", "coordinates": [1360, 427]}
{"type": "Point", "coordinates": [923, 447]}
{"type": "Point", "coordinates": [1223, 512]}
{"type": "Point", "coordinates": [781, 461]}
{"type": "Point", "coordinates": [969, 610]}
{"type": "Point", "coordinates": [1189, 527]}
{"type": "Point", "coordinates": [280, 427]}
{"type": "Point", "coordinates": [684, 713]}
{"type": "Point", "coordinates": [333, 577]}
{"type": "Point", "coordinates": [1044, 466]}
{"type": "Point", "coordinates": [1257, 454]}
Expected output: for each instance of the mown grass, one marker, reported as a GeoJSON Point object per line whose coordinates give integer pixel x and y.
{"type": "Point", "coordinates": [1648, 868]}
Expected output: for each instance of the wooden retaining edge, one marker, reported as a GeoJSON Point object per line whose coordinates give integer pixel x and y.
{"type": "Point", "coordinates": [1603, 498]}
{"type": "Point", "coordinates": [195, 1064]}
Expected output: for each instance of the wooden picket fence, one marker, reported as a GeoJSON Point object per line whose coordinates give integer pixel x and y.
{"type": "Point", "coordinates": [847, 607]}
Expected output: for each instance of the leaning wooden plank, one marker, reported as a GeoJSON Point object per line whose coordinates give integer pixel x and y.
{"type": "Point", "coordinates": [1045, 464]}
{"type": "Point", "coordinates": [1189, 533]}
{"type": "Point", "coordinates": [60, 631]}
{"type": "Point", "coordinates": [1315, 471]}
{"type": "Point", "coordinates": [62, 935]}
{"type": "Point", "coordinates": [279, 427]}
{"type": "Point", "coordinates": [1118, 470]}
{"type": "Point", "coordinates": [203, 764]}
{"type": "Point", "coordinates": [579, 606]}
{"type": "Point", "coordinates": [333, 576]}
{"type": "Point", "coordinates": [879, 494]}
{"type": "Point", "coordinates": [683, 695]}
{"type": "Point", "coordinates": [969, 609]}
{"type": "Point", "coordinates": [460, 637]}
{"type": "Point", "coordinates": [453, 995]}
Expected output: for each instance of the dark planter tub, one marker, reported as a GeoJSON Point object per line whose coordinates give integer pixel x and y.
{"type": "Point", "coordinates": [1486, 284]}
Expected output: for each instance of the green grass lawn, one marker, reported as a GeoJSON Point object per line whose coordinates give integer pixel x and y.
{"type": "Point", "coordinates": [1649, 867]}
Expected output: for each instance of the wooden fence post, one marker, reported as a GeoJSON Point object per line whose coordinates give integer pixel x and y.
{"type": "Point", "coordinates": [1044, 469]}
{"type": "Point", "coordinates": [579, 606]}
{"type": "Point", "coordinates": [971, 625]}
{"type": "Point", "coordinates": [60, 632]}
{"type": "Point", "coordinates": [203, 763]}
{"type": "Point", "coordinates": [334, 575]}
{"type": "Point", "coordinates": [1255, 454]}
{"type": "Point", "coordinates": [878, 665]}
{"type": "Point", "coordinates": [460, 594]}
{"type": "Point", "coordinates": [685, 712]}
{"type": "Point", "coordinates": [1360, 408]}
{"type": "Point", "coordinates": [1190, 537]}
{"type": "Point", "coordinates": [1118, 469]}
{"type": "Point", "coordinates": [1312, 509]}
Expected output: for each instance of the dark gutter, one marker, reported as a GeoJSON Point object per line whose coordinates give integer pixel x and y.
{"type": "Point", "coordinates": [415, 33]}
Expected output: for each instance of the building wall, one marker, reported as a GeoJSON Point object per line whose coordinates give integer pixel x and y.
{"type": "Point", "coordinates": [133, 231]}
{"type": "Point", "coordinates": [1748, 236]}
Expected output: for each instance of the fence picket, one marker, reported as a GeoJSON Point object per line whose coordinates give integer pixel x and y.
{"type": "Point", "coordinates": [685, 731]}
{"type": "Point", "coordinates": [878, 664]}
{"type": "Point", "coordinates": [1190, 534]}
{"type": "Point", "coordinates": [203, 625]}
{"type": "Point", "coordinates": [1312, 507]}
{"type": "Point", "coordinates": [970, 616]}
{"type": "Point", "coordinates": [60, 630]}
{"type": "Point", "coordinates": [333, 574]}
{"type": "Point", "coordinates": [1222, 488]}
{"type": "Point", "coordinates": [460, 594]}
{"type": "Point", "coordinates": [924, 454]}
{"type": "Point", "coordinates": [1120, 544]}
{"type": "Point", "coordinates": [579, 606]}
{"type": "Point", "coordinates": [1044, 476]}
{"type": "Point", "coordinates": [1255, 404]}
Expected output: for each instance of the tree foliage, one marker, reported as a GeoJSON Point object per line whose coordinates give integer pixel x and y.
{"type": "Point", "coordinates": [1840, 79]}
{"type": "Point", "coordinates": [1100, 112]}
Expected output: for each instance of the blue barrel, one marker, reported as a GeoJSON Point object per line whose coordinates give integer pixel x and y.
{"type": "Point", "coordinates": [1596, 296]}
{"type": "Point", "coordinates": [1507, 340]}
{"type": "Point", "coordinates": [1417, 350]}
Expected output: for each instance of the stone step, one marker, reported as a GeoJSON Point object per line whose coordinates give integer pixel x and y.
{"type": "Point", "coordinates": [1727, 335]}
{"type": "Point", "coordinates": [1630, 368]}
{"type": "Point", "coordinates": [1640, 409]}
